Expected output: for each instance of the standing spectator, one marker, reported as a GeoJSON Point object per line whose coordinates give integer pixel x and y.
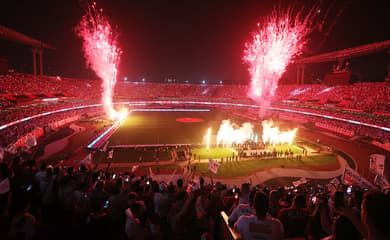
{"type": "Point", "coordinates": [22, 223]}
{"type": "Point", "coordinates": [343, 229]}
{"type": "Point", "coordinates": [274, 203]}
{"type": "Point", "coordinates": [242, 209]}
{"type": "Point", "coordinates": [260, 225]}
{"type": "Point", "coordinates": [295, 218]}
{"type": "Point", "coordinates": [375, 211]}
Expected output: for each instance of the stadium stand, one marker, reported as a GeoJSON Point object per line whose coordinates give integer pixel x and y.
{"type": "Point", "coordinates": [39, 202]}
{"type": "Point", "coordinates": [23, 95]}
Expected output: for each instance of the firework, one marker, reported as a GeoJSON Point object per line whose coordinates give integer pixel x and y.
{"type": "Point", "coordinates": [279, 39]}
{"type": "Point", "coordinates": [208, 137]}
{"type": "Point", "coordinates": [273, 135]}
{"type": "Point", "coordinates": [101, 53]}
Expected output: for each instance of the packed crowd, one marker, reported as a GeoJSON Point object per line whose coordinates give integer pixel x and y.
{"type": "Point", "coordinates": [359, 130]}
{"type": "Point", "coordinates": [19, 84]}
{"type": "Point", "coordinates": [141, 90]}
{"type": "Point", "coordinates": [8, 115]}
{"type": "Point", "coordinates": [375, 133]}
{"type": "Point", "coordinates": [11, 134]}
{"type": "Point", "coordinates": [370, 97]}
{"type": "Point", "coordinates": [68, 203]}
{"type": "Point", "coordinates": [365, 97]}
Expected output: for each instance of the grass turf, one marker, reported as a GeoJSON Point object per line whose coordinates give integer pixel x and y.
{"type": "Point", "coordinates": [242, 168]}
{"type": "Point", "coordinates": [284, 147]}
{"type": "Point", "coordinates": [216, 153]}
{"type": "Point", "coordinates": [145, 169]}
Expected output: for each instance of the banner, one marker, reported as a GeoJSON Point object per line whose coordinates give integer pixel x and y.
{"type": "Point", "coordinates": [62, 122]}
{"type": "Point", "coordinates": [351, 177]}
{"type": "Point", "coordinates": [213, 166]}
{"type": "Point", "coordinates": [377, 163]}
{"type": "Point", "coordinates": [36, 133]}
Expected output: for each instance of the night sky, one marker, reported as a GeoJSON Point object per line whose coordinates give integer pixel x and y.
{"type": "Point", "coordinates": [191, 40]}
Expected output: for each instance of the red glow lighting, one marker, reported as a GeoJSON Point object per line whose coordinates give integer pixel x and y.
{"type": "Point", "coordinates": [189, 120]}
{"type": "Point", "coordinates": [101, 54]}
{"type": "Point", "coordinates": [279, 39]}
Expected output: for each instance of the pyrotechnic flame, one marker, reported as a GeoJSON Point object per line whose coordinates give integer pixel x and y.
{"type": "Point", "coordinates": [208, 137]}
{"type": "Point", "coordinates": [230, 133]}
{"type": "Point", "coordinates": [279, 39]}
{"type": "Point", "coordinates": [101, 54]}
{"type": "Point", "coordinates": [272, 135]}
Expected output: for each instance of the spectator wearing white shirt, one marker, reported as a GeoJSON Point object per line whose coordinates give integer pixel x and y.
{"type": "Point", "coordinates": [242, 209]}
{"type": "Point", "coordinates": [259, 225]}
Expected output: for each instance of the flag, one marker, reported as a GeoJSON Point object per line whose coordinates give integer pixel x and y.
{"type": "Point", "coordinates": [303, 180]}
{"type": "Point", "coordinates": [333, 185]}
{"type": "Point", "coordinates": [111, 153]}
{"type": "Point", "coordinates": [213, 166]}
{"type": "Point", "coordinates": [335, 181]}
{"type": "Point", "coordinates": [151, 174]}
{"type": "Point", "coordinates": [299, 182]}
{"type": "Point", "coordinates": [134, 168]}
{"type": "Point", "coordinates": [4, 186]}
{"type": "Point", "coordinates": [105, 146]}
{"type": "Point", "coordinates": [12, 149]}
{"type": "Point", "coordinates": [296, 183]}
{"type": "Point", "coordinates": [351, 177]}
{"type": "Point", "coordinates": [31, 141]}
{"type": "Point", "coordinates": [171, 177]}
{"type": "Point", "coordinates": [377, 163]}
{"type": "Point", "coordinates": [87, 161]}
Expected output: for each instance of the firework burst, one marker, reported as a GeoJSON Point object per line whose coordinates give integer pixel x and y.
{"type": "Point", "coordinates": [101, 53]}
{"type": "Point", "coordinates": [278, 40]}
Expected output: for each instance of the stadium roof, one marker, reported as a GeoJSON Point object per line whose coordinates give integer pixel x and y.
{"type": "Point", "coordinates": [346, 53]}
{"type": "Point", "coordinates": [14, 36]}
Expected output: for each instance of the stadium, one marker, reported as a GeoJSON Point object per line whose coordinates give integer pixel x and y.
{"type": "Point", "coordinates": [108, 157]}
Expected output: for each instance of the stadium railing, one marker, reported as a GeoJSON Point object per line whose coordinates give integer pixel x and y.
{"type": "Point", "coordinates": [227, 232]}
